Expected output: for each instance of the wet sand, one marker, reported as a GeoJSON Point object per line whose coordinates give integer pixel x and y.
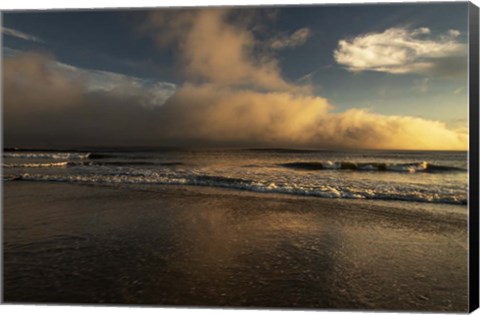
{"type": "Point", "coordinates": [66, 243]}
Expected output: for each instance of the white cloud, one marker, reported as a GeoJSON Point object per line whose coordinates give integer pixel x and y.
{"type": "Point", "coordinates": [421, 30]}
{"type": "Point", "coordinates": [298, 38]}
{"type": "Point", "coordinates": [154, 93]}
{"type": "Point", "coordinates": [453, 33]}
{"type": "Point", "coordinates": [400, 50]}
{"type": "Point", "coordinates": [21, 35]}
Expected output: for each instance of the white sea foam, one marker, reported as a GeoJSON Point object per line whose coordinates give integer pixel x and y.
{"type": "Point", "coordinates": [372, 175]}
{"type": "Point", "coordinates": [47, 155]}
{"type": "Point", "coordinates": [331, 165]}
{"type": "Point", "coordinates": [409, 168]}
{"type": "Point", "coordinates": [36, 165]}
{"type": "Point", "coordinates": [324, 191]}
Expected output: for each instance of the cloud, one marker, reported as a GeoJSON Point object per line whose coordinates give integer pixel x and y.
{"type": "Point", "coordinates": [207, 113]}
{"type": "Point", "coordinates": [307, 77]}
{"type": "Point", "coordinates": [399, 50]}
{"type": "Point", "coordinates": [459, 125]}
{"type": "Point", "coordinates": [154, 93]}
{"type": "Point", "coordinates": [422, 85]}
{"type": "Point", "coordinates": [216, 50]}
{"type": "Point", "coordinates": [47, 105]}
{"type": "Point", "coordinates": [298, 38]}
{"type": "Point", "coordinates": [21, 35]}
{"type": "Point", "coordinates": [396, 132]}
{"type": "Point", "coordinates": [44, 105]}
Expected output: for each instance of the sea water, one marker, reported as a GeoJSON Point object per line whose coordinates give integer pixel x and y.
{"type": "Point", "coordinates": [407, 176]}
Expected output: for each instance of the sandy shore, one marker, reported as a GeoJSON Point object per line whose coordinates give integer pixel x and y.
{"type": "Point", "coordinates": [67, 243]}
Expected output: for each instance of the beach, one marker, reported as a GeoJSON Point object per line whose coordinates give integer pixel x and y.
{"type": "Point", "coordinates": [292, 157]}
{"type": "Point", "coordinates": [172, 245]}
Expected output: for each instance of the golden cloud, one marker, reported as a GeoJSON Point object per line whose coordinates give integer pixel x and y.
{"type": "Point", "coordinates": [43, 106]}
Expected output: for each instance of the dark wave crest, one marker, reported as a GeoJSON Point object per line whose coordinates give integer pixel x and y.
{"type": "Point", "coordinates": [374, 167]}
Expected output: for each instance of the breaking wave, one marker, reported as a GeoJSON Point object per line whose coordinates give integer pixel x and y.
{"type": "Point", "coordinates": [38, 165]}
{"type": "Point", "coordinates": [77, 156]}
{"type": "Point", "coordinates": [379, 167]}
{"type": "Point", "coordinates": [323, 191]}
{"type": "Point", "coordinates": [47, 155]}
{"type": "Point", "coordinates": [264, 173]}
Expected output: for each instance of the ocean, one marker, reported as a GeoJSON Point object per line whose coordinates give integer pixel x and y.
{"type": "Point", "coordinates": [237, 227]}
{"type": "Point", "coordinates": [408, 176]}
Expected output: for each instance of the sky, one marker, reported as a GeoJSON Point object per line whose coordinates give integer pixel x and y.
{"type": "Point", "coordinates": [336, 76]}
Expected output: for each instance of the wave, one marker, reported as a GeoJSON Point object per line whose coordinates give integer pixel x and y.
{"type": "Point", "coordinates": [126, 163]}
{"type": "Point", "coordinates": [71, 164]}
{"type": "Point", "coordinates": [59, 155]}
{"type": "Point", "coordinates": [379, 167]}
{"type": "Point", "coordinates": [284, 150]}
{"type": "Point", "coordinates": [323, 191]}
{"type": "Point", "coordinates": [47, 155]}
{"type": "Point", "coordinates": [87, 155]}
{"type": "Point", "coordinates": [8, 178]}
{"type": "Point", "coordinates": [140, 163]}
{"type": "Point", "coordinates": [38, 165]}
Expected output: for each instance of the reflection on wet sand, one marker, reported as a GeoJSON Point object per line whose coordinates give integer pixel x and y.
{"type": "Point", "coordinates": [205, 247]}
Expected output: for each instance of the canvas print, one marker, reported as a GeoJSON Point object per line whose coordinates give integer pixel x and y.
{"type": "Point", "coordinates": [311, 157]}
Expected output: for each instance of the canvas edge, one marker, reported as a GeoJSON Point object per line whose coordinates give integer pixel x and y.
{"type": "Point", "coordinates": [473, 158]}
{"type": "Point", "coordinates": [1, 161]}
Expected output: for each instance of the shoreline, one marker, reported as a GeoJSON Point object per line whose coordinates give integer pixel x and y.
{"type": "Point", "coordinates": [449, 213]}
{"type": "Point", "coordinates": [202, 246]}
